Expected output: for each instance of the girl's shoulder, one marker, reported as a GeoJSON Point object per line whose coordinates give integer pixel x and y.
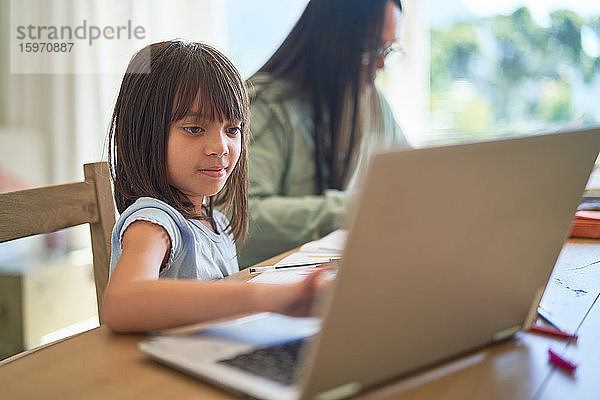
{"type": "Point", "coordinates": [149, 202]}
{"type": "Point", "coordinates": [152, 206]}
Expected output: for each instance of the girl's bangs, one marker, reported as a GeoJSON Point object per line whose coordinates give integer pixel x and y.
{"type": "Point", "coordinates": [210, 86]}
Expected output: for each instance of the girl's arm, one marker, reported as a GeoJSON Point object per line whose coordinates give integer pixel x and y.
{"type": "Point", "coordinates": [136, 300]}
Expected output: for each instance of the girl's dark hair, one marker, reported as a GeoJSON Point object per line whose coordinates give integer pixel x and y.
{"type": "Point", "coordinates": [329, 53]}
{"type": "Point", "coordinates": [161, 84]}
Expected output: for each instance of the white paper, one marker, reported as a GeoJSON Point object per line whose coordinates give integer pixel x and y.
{"type": "Point", "coordinates": [285, 276]}
{"type": "Point", "coordinates": [334, 242]}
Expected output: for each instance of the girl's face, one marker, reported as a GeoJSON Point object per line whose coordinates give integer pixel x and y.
{"type": "Point", "coordinates": [201, 154]}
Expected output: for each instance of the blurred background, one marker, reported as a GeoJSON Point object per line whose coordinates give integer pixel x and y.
{"type": "Point", "coordinates": [473, 70]}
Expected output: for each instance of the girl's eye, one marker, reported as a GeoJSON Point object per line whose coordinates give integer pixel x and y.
{"type": "Point", "coordinates": [193, 129]}
{"type": "Point", "coordinates": [234, 131]}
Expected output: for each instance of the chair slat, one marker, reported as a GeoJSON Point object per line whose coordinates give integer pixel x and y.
{"type": "Point", "coordinates": [99, 174]}
{"type": "Point", "coordinates": [48, 209]}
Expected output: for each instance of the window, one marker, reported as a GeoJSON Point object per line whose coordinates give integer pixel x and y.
{"type": "Point", "coordinates": [508, 72]}
{"type": "Point", "coordinates": [255, 29]}
{"type": "Point", "coordinates": [499, 69]}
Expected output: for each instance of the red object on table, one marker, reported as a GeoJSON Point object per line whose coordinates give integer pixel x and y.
{"type": "Point", "coordinates": [560, 362]}
{"type": "Point", "coordinates": [586, 225]}
{"type": "Point", "coordinates": [553, 332]}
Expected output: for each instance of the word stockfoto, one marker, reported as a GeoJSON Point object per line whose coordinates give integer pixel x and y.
{"type": "Point", "coordinates": [83, 31]}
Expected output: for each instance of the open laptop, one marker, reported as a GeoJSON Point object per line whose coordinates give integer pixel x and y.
{"type": "Point", "coordinates": [445, 253]}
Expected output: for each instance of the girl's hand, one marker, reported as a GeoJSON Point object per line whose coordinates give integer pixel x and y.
{"type": "Point", "coordinates": [296, 299]}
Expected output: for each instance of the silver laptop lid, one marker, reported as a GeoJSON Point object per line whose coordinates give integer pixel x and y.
{"type": "Point", "coordinates": [447, 248]}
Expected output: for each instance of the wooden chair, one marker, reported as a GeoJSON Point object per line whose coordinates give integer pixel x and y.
{"type": "Point", "coordinates": [51, 208]}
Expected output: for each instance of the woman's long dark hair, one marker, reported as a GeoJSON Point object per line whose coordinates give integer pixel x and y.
{"type": "Point", "coordinates": [324, 55]}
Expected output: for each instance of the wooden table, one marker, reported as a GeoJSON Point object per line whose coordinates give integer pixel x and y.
{"type": "Point", "coordinates": [102, 365]}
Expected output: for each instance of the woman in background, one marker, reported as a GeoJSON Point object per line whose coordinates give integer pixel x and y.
{"type": "Point", "coordinates": [315, 117]}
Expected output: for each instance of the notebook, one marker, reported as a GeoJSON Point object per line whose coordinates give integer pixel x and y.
{"type": "Point", "coordinates": [445, 253]}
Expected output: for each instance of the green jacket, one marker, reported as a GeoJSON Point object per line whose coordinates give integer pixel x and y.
{"type": "Point", "coordinates": [285, 209]}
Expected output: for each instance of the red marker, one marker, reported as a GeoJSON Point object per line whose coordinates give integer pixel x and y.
{"type": "Point", "coordinates": [560, 362]}
{"type": "Point", "coordinates": [552, 331]}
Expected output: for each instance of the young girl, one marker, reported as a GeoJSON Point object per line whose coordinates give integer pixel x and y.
{"type": "Point", "coordinates": [178, 148]}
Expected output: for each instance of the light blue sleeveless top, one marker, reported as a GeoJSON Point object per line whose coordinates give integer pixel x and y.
{"type": "Point", "coordinates": [196, 251]}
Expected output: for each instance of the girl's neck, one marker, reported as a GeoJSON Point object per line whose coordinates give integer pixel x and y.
{"type": "Point", "coordinates": [199, 206]}
{"type": "Point", "coordinates": [208, 224]}
{"type": "Point", "coordinates": [208, 221]}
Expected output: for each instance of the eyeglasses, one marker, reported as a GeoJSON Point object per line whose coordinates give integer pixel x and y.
{"type": "Point", "coordinates": [395, 49]}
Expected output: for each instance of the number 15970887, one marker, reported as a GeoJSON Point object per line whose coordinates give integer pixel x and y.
{"type": "Point", "coordinates": [48, 47]}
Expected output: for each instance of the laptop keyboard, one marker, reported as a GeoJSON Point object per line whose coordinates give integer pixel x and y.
{"type": "Point", "coordinates": [278, 362]}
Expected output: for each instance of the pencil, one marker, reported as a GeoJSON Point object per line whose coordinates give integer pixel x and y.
{"type": "Point", "coordinates": [553, 332]}
{"type": "Point", "coordinates": [274, 267]}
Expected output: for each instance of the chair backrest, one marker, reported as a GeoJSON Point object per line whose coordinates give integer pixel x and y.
{"type": "Point", "coordinates": [51, 208]}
